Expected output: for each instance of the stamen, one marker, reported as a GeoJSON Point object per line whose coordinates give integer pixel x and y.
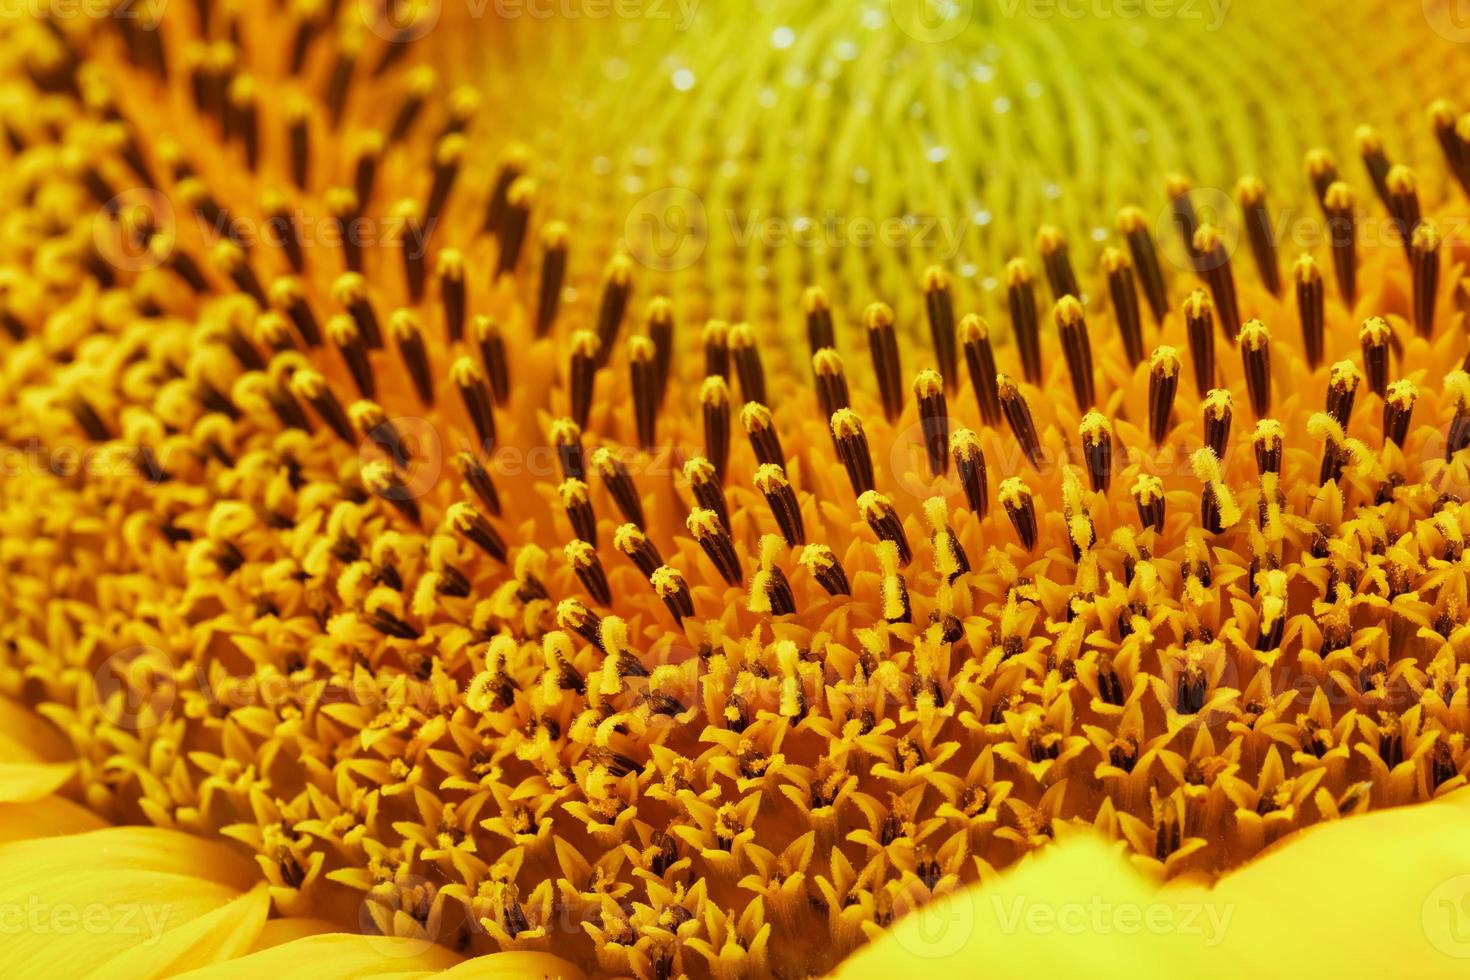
{"type": "Point", "coordinates": [477, 480]}
{"type": "Point", "coordinates": [674, 591]}
{"type": "Point", "coordinates": [714, 396]}
{"type": "Point", "coordinates": [486, 331]}
{"type": "Point", "coordinates": [939, 304]}
{"type": "Point", "coordinates": [346, 211]}
{"type": "Point", "coordinates": [893, 589]}
{"type": "Point", "coordinates": [1334, 447]}
{"type": "Point", "coordinates": [1052, 245]}
{"type": "Point", "coordinates": [448, 156]}
{"type": "Point", "coordinates": [616, 288]}
{"type": "Point", "coordinates": [512, 169]}
{"type": "Point", "coordinates": [1251, 193]}
{"type": "Point", "coordinates": [1025, 320]}
{"type": "Point", "coordinates": [312, 388]}
{"type": "Point", "coordinates": [713, 536]}
{"type": "Point", "coordinates": [852, 450]}
{"type": "Point", "coordinates": [450, 273]}
{"type": "Point", "coordinates": [643, 378]}
{"type": "Point", "coordinates": [1219, 413]}
{"type": "Point", "coordinates": [566, 436]}
{"type": "Point", "coordinates": [1199, 327]}
{"type": "Point", "coordinates": [969, 463]}
{"type": "Point", "coordinates": [351, 292]}
{"type": "Point", "coordinates": [832, 391]}
{"type": "Point", "coordinates": [934, 417]}
{"type": "Point", "coordinates": [1218, 510]}
{"type": "Point", "coordinates": [1017, 411]}
{"type": "Point", "coordinates": [1398, 410]}
{"type": "Point", "coordinates": [1097, 447]}
{"type": "Point", "coordinates": [748, 368]}
{"type": "Point", "coordinates": [282, 231]}
{"type": "Point", "coordinates": [1342, 391]}
{"type": "Point", "coordinates": [883, 345]}
{"type": "Point", "coordinates": [716, 339]}
{"type": "Point", "coordinates": [572, 615]}
{"type": "Point", "coordinates": [513, 231]}
{"type": "Point", "coordinates": [411, 237]}
{"type": "Point", "coordinates": [1163, 385]}
{"type": "Point", "coordinates": [348, 341]}
{"type": "Point", "coordinates": [1081, 531]}
{"type": "Point", "coordinates": [1403, 197]}
{"type": "Point", "coordinates": [632, 542]}
{"type": "Point", "coordinates": [1375, 160]}
{"type": "Point", "coordinates": [1020, 507]}
{"type": "Point", "coordinates": [379, 479]}
{"type": "Point", "coordinates": [372, 424]}
{"type": "Point", "coordinates": [271, 329]}
{"type": "Point", "coordinates": [975, 334]}
{"type": "Point", "coordinates": [583, 374]}
{"type": "Point", "coordinates": [1458, 438]}
{"type": "Point", "coordinates": [1133, 225]}
{"type": "Point", "coordinates": [1077, 349]}
{"type": "Point", "coordinates": [1373, 338]}
{"type": "Point", "coordinates": [1454, 144]}
{"type": "Point", "coordinates": [619, 483]}
{"type": "Point", "coordinates": [950, 559]}
{"type": "Point", "coordinates": [704, 484]}
{"type": "Point", "coordinates": [1424, 260]}
{"type": "Point", "coordinates": [232, 261]}
{"type": "Point", "coordinates": [1124, 294]}
{"type": "Point", "coordinates": [1255, 358]}
{"type": "Point", "coordinates": [288, 296]}
{"type": "Point", "coordinates": [369, 150]}
{"type": "Point", "coordinates": [820, 334]}
{"type": "Point", "coordinates": [1268, 440]}
{"type": "Point", "coordinates": [470, 380]}
{"type": "Point", "coordinates": [339, 82]}
{"type": "Point", "coordinates": [878, 511]}
{"type": "Point", "coordinates": [421, 82]}
{"type": "Point", "coordinates": [661, 332]}
{"type": "Point", "coordinates": [1342, 233]}
{"type": "Point", "coordinates": [826, 569]}
{"type": "Point", "coordinates": [1148, 496]}
{"type": "Point", "coordinates": [1322, 172]}
{"type": "Point", "coordinates": [298, 139]}
{"type": "Point", "coordinates": [1214, 263]}
{"type": "Point", "coordinates": [553, 274]}
{"type": "Point", "coordinates": [770, 479]}
{"type": "Point", "coordinates": [1176, 189]}
{"type": "Point", "coordinates": [1310, 307]}
{"type": "Point", "coordinates": [576, 500]}
{"type": "Point", "coordinates": [770, 590]}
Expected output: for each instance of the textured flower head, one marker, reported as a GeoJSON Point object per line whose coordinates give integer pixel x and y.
{"type": "Point", "coordinates": [680, 496]}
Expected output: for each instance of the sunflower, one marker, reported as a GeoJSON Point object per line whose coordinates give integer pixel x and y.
{"type": "Point", "coordinates": [635, 489]}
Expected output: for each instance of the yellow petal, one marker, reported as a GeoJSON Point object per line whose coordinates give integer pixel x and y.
{"type": "Point", "coordinates": [52, 816]}
{"type": "Point", "coordinates": [1384, 894]}
{"type": "Point", "coordinates": [71, 903]}
{"type": "Point", "coordinates": [26, 782]}
{"type": "Point", "coordinates": [36, 736]}
{"type": "Point", "coordinates": [223, 934]}
{"type": "Point", "coordinates": [334, 955]}
{"type": "Point", "coordinates": [517, 965]}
